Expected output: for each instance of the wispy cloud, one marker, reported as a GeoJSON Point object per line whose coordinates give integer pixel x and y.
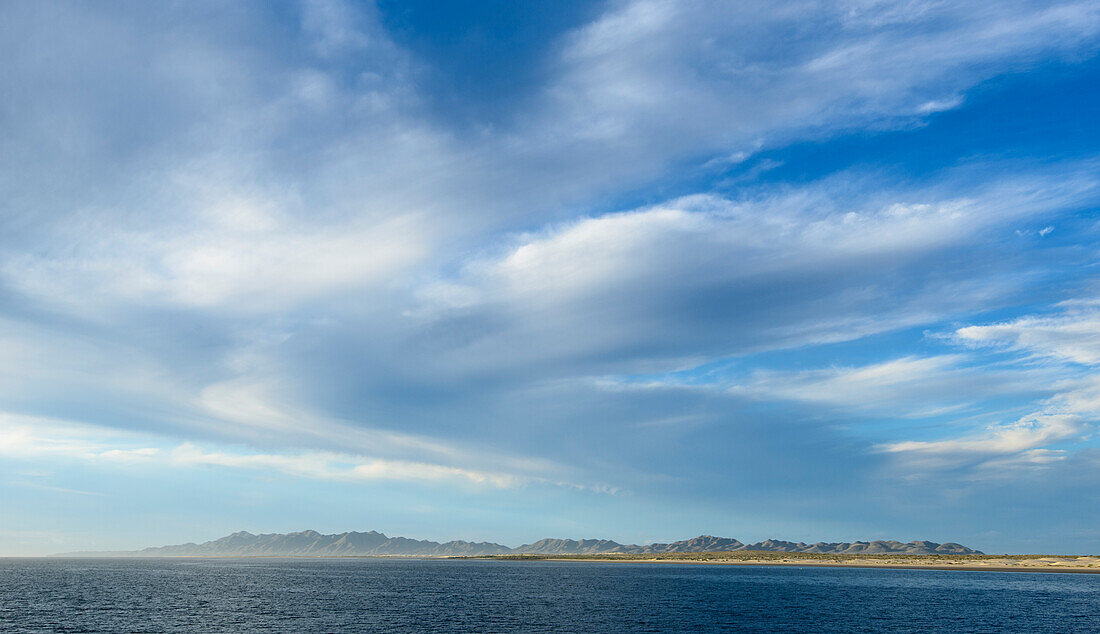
{"type": "Point", "coordinates": [1017, 443]}
{"type": "Point", "coordinates": [1072, 335]}
{"type": "Point", "coordinates": [665, 77]}
{"type": "Point", "coordinates": [702, 274]}
{"type": "Point", "coordinates": [908, 387]}
{"type": "Point", "coordinates": [1065, 341]}
{"type": "Point", "coordinates": [30, 439]}
{"type": "Point", "coordinates": [333, 466]}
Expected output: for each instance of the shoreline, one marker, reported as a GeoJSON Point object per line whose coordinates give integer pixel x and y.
{"type": "Point", "coordinates": [1029, 563]}
{"type": "Point", "coordinates": [811, 564]}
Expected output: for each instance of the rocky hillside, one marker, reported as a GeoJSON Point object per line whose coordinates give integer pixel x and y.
{"type": "Point", "coordinates": [314, 544]}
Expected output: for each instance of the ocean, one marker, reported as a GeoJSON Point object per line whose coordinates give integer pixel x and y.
{"type": "Point", "coordinates": [409, 595]}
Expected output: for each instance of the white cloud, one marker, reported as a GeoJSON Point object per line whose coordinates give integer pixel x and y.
{"type": "Point", "coordinates": [335, 466]}
{"type": "Point", "coordinates": [782, 231]}
{"type": "Point", "coordinates": [1023, 435]}
{"type": "Point", "coordinates": [36, 439]}
{"type": "Point", "coordinates": [904, 387]}
{"type": "Point", "coordinates": [940, 105]}
{"type": "Point", "coordinates": [1065, 342]}
{"type": "Point", "coordinates": [1073, 335]}
{"type": "Point", "coordinates": [658, 78]}
{"type": "Point", "coordinates": [253, 409]}
{"type": "Point", "coordinates": [234, 189]}
{"type": "Point", "coordinates": [959, 386]}
{"type": "Point", "coordinates": [29, 437]}
{"type": "Point", "coordinates": [250, 270]}
{"type": "Point", "coordinates": [227, 219]}
{"type": "Point", "coordinates": [704, 275]}
{"type": "Point", "coordinates": [1023, 443]}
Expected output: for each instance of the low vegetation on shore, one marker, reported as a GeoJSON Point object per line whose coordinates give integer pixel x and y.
{"type": "Point", "coordinates": [795, 558]}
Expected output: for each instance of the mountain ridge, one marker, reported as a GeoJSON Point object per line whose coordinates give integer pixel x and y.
{"type": "Point", "coordinates": [310, 543]}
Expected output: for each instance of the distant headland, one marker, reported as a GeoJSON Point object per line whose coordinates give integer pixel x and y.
{"type": "Point", "coordinates": [353, 544]}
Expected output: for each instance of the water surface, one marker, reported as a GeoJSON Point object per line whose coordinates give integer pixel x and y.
{"type": "Point", "coordinates": [361, 595]}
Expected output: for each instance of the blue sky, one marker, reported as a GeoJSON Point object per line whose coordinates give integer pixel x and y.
{"type": "Point", "coordinates": [638, 270]}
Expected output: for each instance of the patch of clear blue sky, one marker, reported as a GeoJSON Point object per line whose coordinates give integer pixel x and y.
{"type": "Point", "coordinates": [484, 59]}
{"type": "Point", "coordinates": [1047, 114]}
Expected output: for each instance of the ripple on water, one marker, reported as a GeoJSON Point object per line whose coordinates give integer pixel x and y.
{"type": "Point", "coordinates": [361, 595]}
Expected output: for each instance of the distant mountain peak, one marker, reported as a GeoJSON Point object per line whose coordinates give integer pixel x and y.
{"type": "Point", "coordinates": [372, 543]}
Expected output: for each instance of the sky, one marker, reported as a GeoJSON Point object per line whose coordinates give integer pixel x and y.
{"type": "Point", "coordinates": [633, 269]}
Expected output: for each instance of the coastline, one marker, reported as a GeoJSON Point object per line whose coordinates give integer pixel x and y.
{"type": "Point", "coordinates": [968, 563]}
{"type": "Point", "coordinates": [987, 563]}
{"type": "Point", "coordinates": [884, 566]}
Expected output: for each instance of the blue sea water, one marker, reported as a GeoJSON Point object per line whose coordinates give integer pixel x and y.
{"type": "Point", "coordinates": [380, 595]}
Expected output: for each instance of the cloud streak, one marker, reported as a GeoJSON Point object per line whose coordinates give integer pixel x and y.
{"type": "Point", "coordinates": [33, 439]}
{"type": "Point", "coordinates": [1064, 341]}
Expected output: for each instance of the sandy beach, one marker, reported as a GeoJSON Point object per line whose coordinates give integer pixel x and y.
{"type": "Point", "coordinates": [994, 563]}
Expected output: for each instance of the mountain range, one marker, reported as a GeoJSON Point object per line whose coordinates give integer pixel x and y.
{"type": "Point", "coordinates": [313, 544]}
